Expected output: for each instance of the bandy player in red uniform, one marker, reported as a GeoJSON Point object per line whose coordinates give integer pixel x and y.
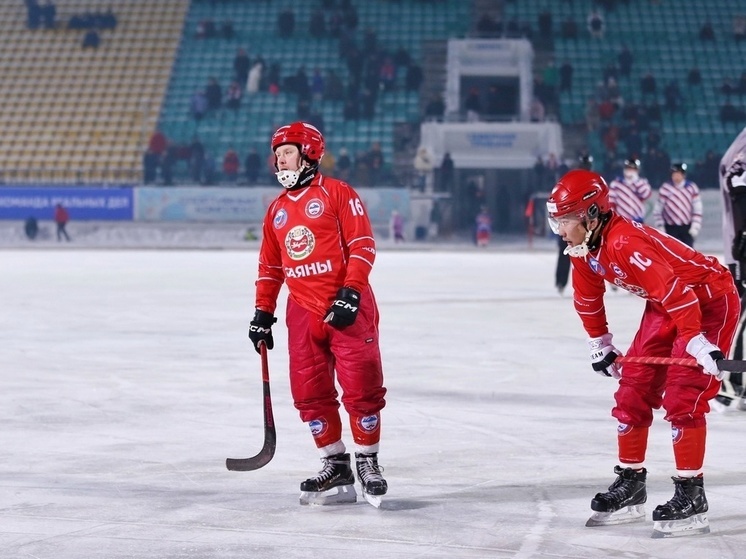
{"type": "Point", "coordinates": [692, 310]}
{"type": "Point", "coordinates": [317, 239]}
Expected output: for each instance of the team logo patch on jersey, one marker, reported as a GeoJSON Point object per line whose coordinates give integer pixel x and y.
{"type": "Point", "coordinates": [596, 266]}
{"type": "Point", "coordinates": [299, 242]}
{"type": "Point", "coordinates": [620, 242]}
{"type": "Point", "coordinates": [622, 429]}
{"type": "Point", "coordinates": [617, 270]}
{"type": "Point", "coordinates": [318, 427]}
{"type": "Point", "coordinates": [368, 423]}
{"type": "Point", "coordinates": [676, 434]}
{"type": "Point", "coordinates": [634, 289]}
{"type": "Point", "coordinates": [314, 208]}
{"type": "Point", "coordinates": [281, 218]}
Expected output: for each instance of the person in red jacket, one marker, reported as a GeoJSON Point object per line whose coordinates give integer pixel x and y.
{"type": "Point", "coordinates": [692, 310]}
{"type": "Point", "coordinates": [61, 217]}
{"type": "Point", "coordinates": [318, 240]}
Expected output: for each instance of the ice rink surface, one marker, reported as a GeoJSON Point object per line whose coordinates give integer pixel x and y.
{"type": "Point", "coordinates": [126, 379]}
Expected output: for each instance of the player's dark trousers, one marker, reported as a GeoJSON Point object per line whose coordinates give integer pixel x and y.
{"type": "Point", "coordinates": [680, 232]}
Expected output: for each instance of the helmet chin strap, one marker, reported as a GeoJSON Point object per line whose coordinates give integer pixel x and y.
{"type": "Point", "coordinates": [581, 250]}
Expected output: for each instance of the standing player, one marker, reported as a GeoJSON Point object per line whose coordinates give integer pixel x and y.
{"type": "Point", "coordinates": [691, 310]}
{"type": "Point", "coordinates": [628, 193]}
{"type": "Point", "coordinates": [733, 189]}
{"type": "Point", "coordinates": [318, 239]}
{"type": "Point", "coordinates": [678, 209]}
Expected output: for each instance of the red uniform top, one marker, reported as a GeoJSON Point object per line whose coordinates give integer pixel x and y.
{"type": "Point", "coordinates": [652, 265]}
{"type": "Point", "coordinates": [317, 239]}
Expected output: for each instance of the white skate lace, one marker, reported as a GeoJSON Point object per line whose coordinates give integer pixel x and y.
{"type": "Point", "coordinates": [370, 470]}
{"type": "Point", "coordinates": [326, 472]}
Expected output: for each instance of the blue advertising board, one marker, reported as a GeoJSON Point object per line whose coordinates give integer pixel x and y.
{"type": "Point", "coordinates": [85, 203]}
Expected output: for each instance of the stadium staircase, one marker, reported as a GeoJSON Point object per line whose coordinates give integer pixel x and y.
{"type": "Point", "coordinates": [663, 37]}
{"type": "Point", "coordinates": [75, 115]}
{"type": "Point", "coordinates": [408, 23]}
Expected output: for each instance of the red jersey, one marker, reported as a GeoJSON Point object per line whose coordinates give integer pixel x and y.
{"type": "Point", "coordinates": [316, 239]}
{"type": "Point", "coordinates": [652, 265]}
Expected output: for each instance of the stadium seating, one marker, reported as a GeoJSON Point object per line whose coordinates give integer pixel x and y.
{"type": "Point", "coordinates": [663, 37]}
{"type": "Point", "coordinates": [406, 23]}
{"type": "Point", "coordinates": [73, 115]}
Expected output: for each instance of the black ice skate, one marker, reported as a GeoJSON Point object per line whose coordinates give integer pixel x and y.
{"type": "Point", "coordinates": [371, 480]}
{"type": "Point", "coordinates": [623, 502]}
{"type": "Point", "coordinates": [333, 485]}
{"type": "Point", "coordinates": [686, 513]}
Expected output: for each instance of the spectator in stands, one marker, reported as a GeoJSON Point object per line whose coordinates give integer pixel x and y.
{"type": "Point", "coordinates": [241, 65]}
{"type": "Point", "coordinates": [706, 32]}
{"type": "Point", "coordinates": [570, 28]}
{"type": "Point", "coordinates": [158, 143]}
{"type": "Point", "coordinates": [286, 22]}
{"type": "Point", "coordinates": [592, 115]}
{"type": "Point", "coordinates": [673, 97]}
{"type": "Point", "coordinates": [91, 39]}
{"type": "Point", "coordinates": [150, 163]}
{"type": "Point", "coordinates": [731, 113]}
{"type": "Point", "coordinates": [376, 164]}
{"type": "Point", "coordinates": [301, 85]}
{"type": "Point", "coordinates": [61, 218]}
{"type": "Point", "coordinates": [214, 94]}
{"type": "Point", "coordinates": [108, 20]}
{"type": "Point", "coordinates": [328, 163]}
{"type": "Point", "coordinates": [49, 15]}
{"type": "Point", "coordinates": [544, 21]}
{"type": "Point", "coordinates": [414, 77]}
{"type": "Point", "coordinates": [447, 173]}
{"type": "Point", "coordinates": [648, 85]}
{"type": "Point", "coordinates": [167, 163]}
{"type": "Point", "coordinates": [316, 118]}
{"type": "Point", "coordinates": [254, 80]}
{"type": "Point", "coordinates": [536, 111]}
{"type": "Point", "coordinates": [494, 105]}
{"type": "Point", "coordinates": [303, 109]}
{"type": "Point", "coordinates": [487, 26]}
{"type": "Point", "coordinates": [252, 165]}
{"type": "Point", "coordinates": [401, 57]}
{"type": "Point", "coordinates": [596, 24]}
{"type": "Point", "coordinates": [370, 41]}
{"type": "Point", "coordinates": [423, 165]}
{"type": "Point", "coordinates": [367, 104]}
{"type": "Point", "coordinates": [694, 77]}
{"type": "Point", "coordinates": [606, 110]}
{"type": "Point", "coordinates": [318, 86]}
{"type": "Point", "coordinates": [317, 23]}
{"type": "Point", "coordinates": [350, 111]}
{"type": "Point", "coordinates": [233, 97]}
{"type": "Point", "coordinates": [231, 164]}
{"type": "Point", "coordinates": [728, 88]}
{"type": "Point", "coordinates": [198, 105]}
{"type": "Point", "coordinates": [387, 75]}
{"type": "Point", "coordinates": [33, 14]}
{"type": "Point", "coordinates": [742, 84]}
{"type": "Point", "coordinates": [565, 76]}
{"type": "Point", "coordinates": [196, 159]}
{"type": "Point", "coordinates": [739, 28]}
{"type": "Point", "coordinates": [473, 105]}
{"type": "Point", "coordinates": [333, 86]}
{"type": "Point", "coordinates": [209, 172]}
{"type": "Point", "coordinates": [625, 60]}
{"type": "Point", "coordinates": [344, 165]}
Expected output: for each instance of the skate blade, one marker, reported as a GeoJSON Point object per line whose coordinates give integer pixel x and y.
{"type": "Point", "coordinates": [374, 500]}
{"type": "Point", "coordinates": [697, 524]}
{"type": "Point", "coordinates": [621, 516]}
{"type": "Point", "coordinates": [341, 495]}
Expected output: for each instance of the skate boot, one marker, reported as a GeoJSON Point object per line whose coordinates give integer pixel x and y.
{"type": "Point", "coordinates": [623, 502]}
{"type": "Point", "coordinates": [334, 484]}
{"type": "Point", "coordinates": [371, 480]}
{"type": "Point", "coordinates": [686, 513]}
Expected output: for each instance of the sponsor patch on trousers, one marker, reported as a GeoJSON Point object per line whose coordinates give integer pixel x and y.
{"type": "Point", "coordinates": [368, 423]}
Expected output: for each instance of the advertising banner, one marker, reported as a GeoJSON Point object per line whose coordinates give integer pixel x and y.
{"type": "Point", "coordinates": [84, 203]}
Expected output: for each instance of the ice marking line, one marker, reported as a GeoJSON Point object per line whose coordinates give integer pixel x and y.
{"type": "Point", "coordinates": [530, 546]}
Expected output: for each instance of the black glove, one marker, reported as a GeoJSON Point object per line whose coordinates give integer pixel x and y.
{"type": "Point", "coordinates": [260, 329]}
{"type": "Point", "coordinates": [343, 311]}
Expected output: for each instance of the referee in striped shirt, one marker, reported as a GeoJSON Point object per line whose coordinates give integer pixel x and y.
{"type": "Point", "coordinates": [678, 209]}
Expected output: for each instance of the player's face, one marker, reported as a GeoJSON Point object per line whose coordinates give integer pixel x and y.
{"type": "Point", "coordinates": [571, 229]}
{"type": "Point", "coordinates": [677, 177]}
{"type": "Point", "coordinates": [288, 157]}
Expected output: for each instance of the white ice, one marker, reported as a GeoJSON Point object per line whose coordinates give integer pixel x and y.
{"type": "Point", "coordinates": [126, 379]}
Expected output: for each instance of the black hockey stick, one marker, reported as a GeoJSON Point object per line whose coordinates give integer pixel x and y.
{"type": "Point", "coordinates": [270, 435]}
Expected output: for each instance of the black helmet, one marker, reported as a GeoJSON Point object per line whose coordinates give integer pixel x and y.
{"type": "Point", "coordinates": [631, 163]}
{"type": "Point", "coordinates": [585, 161]}
{"type": "Point", "coordinates": [679, 168]}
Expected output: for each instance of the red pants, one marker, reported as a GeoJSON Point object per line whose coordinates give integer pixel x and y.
{"type": "Point", "coordinates": [317, 350]}
{"type": "Point", "coordinates": [684, 392]}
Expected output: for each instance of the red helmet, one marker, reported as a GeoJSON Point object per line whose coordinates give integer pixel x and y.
{"type": "Point", "coordinates": [307, 137]}
{"type": "Point", "coordinates": [581, 193]}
